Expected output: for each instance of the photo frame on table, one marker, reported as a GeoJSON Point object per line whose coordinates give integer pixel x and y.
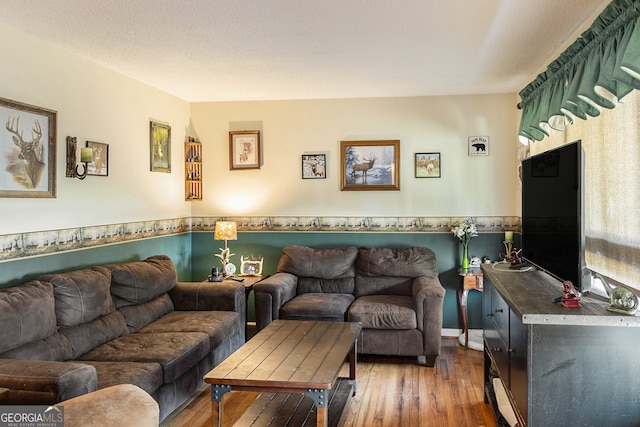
{"type": "Point", "coordinates": [370, 165]}
{"type": "Point", "coordinates": [427, 165]}
{"type": "Point", "coordinates": [27, 150]}
{"type": "Point", "coordinates": [100, 164]}
{"type": "Point", "coordinates": [314, 166]}
{"type": "Point", "coordinates": [244, 149]}
{"type": "Point", "coordinates": [160, 147]}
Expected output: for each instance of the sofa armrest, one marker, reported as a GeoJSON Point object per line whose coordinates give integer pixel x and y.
{"type": "Point", "coordinates": [271, 294]}
{"type": "Point", "coordinates": [209, 296]}
{"type": "Point", "coordinates": [43, 382]}
{"type": "Point", "coordinates": [428, 295]}
{"type": "Point", "coordinates": [123, 404]}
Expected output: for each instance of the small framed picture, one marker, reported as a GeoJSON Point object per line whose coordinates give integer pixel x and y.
{"type": "Point", "coordinates": [160, 147]}
{"type": "Point", "coordinates": [427, 165]}
{"type": "Point", "coordinates": [370, 165]}
{"type": "Point", "coordinates": [250, 266]}
{"type": "Point", "coordinates": [244, 149]}
{"type": "Point", "coordinates": [314, 166]}
{"type": "Point", "coordinates": [478, 145]}
{"type": "Point", "coordinates": [100, 164]}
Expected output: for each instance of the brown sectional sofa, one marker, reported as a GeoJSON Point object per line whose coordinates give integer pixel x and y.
{"type": "Point", "coordinates": [68, 334]}
{"type": "Point", "coordinates": [394, 293]}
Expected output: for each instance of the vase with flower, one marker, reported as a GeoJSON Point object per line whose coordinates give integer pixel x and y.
{"type": "Point", "coordinates": [465, 231]}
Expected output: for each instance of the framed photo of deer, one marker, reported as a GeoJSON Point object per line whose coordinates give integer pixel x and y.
{"type": "Point", "coordinates": [370, 165]}
{"type": "Point", "coordinates": [160, 147]}
{"type": "Point", "coordinates": [100, 164]}
{"type": "Point", "coordinates": [314, 166]}
{"type": "Point", "coordinates": [244, 149]}
{"type": "Point", "coordinates": [427, 165]}
{"type": "Point", "coordinates": [27, 150]}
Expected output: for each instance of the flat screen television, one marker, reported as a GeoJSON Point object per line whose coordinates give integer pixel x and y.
{"type": "Point", "coordinates": [553, 213]}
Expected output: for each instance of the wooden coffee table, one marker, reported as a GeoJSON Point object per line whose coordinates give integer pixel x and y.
{"type": "Point", "coordinates": [288, 356]}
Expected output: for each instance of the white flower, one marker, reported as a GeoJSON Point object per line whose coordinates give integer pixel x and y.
{"type": "Point", "coordinates": [465, 231]}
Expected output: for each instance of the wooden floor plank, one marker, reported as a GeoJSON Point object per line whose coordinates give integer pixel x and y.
{"type": "Point", "coordinates": [450, 394]}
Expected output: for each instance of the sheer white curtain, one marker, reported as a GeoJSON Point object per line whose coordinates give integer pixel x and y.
{"type": "Point", "coordinates": [611, 144]}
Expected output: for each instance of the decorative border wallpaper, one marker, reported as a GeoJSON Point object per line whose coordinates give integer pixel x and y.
{"type": "Point", "coordinates": [20, 245]}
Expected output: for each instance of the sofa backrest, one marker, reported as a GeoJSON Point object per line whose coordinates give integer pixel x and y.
{"type": "Point", "coordinates": [390, 271]}
{"type": "Point", "coordinates": [140, 289]}
{"type": "Point", "coordinates": [28, 324]}
{"type": "Point", "coordinates": [85, 311]}
{"type": "Point", "coordinates": [320, 270]}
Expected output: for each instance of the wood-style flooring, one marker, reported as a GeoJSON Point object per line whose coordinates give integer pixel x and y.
{"type": "Point", "coordinates": [392, 391]}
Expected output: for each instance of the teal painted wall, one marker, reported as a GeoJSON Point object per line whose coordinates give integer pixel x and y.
{"type": "Point", "coordinates": [269, 245]}
{"type": "Point", "coordinates": [21, 270]}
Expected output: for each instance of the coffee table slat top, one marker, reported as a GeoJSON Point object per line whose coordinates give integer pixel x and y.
{"type": "Point", "coordinates": [286, 354]}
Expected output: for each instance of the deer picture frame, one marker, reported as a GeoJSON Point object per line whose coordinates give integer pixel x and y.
{"type": "Point", "coordinates": [370, 165]}
{"type": "Point", "coordinates": [27, 150]}
{"type": "Point", "coordinates": [100, 164]}
{"type": "Point", "coordinates": [160, 147]}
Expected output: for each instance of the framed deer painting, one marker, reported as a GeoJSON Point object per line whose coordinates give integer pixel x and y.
{"type": "Point", "coordinates": [27, 150]}
{"type": "Point", "coordinates": [370, 165]}
{"type": "Point", "coordinates": [160, 147]}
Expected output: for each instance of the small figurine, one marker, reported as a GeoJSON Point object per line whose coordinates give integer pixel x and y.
{"type": "Point", "coordinates": [621, 299]}
{"type": "Point", "coordinates": [515, 257]}
{"type": "Point", "coordinates": [570, 297]}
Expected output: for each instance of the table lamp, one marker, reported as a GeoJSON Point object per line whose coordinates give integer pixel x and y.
{"type": "Point", "coordinates": [226, 230]}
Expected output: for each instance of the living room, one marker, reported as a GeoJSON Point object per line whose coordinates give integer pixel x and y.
{"type": "Point", "coordinates": [148, 208]}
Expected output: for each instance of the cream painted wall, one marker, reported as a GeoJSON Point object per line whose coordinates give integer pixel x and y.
{"type": "Point", "coordinates": [94, 104]}
{"type": "Point", "coordinates": [469, 186]}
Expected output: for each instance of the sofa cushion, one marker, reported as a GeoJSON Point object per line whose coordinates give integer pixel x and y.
{"type": "Point", "coordinates": [317, 306]}
{"type": "Point", "coordinates": [81, 295]}
{"type": "Point", "coordinates": [398, 262]}
{"type": "Point", "coordinates": [383, 285]}
{"type": "Point", "coordinates": [383, 312]}
{"type": "Point", "coordinates": [138, 282]}
{"type": "Point", "coordinates": [176, 352]}
{"type": "Point", "coordinates": [303, 261]}
{"type": "Point", "coordinates": [220, 326]}
{"type": "Point", "coordinates": [147, 376]}
{"type": "Point", "coordinates": [27, 314]}
{"type": "Point", "coordinates": [55, 347]}
{"type": "Point", "coordinates": [87, 336]}
{"type": "Point", "coordinates": [314, 285]}
{"type": "Point", "coordinates": [139, 316]}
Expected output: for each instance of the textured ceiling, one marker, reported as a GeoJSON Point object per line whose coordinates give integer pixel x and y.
{"type": "Point", "coordinates": [213, 50]}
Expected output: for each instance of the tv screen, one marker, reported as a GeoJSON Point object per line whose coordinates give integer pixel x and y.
{"type": "Point", "coordinates": [552, 213]}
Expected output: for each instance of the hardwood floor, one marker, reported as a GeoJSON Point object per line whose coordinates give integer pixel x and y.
{"type": "Point", "coordinates": [392, 391]}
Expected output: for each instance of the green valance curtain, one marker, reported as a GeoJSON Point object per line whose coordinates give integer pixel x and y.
{"type": "Point", "coordinates": [595, 72]}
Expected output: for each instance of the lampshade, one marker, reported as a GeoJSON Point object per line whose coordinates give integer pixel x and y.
{"type": "Point", "coordinates": [225, 230]}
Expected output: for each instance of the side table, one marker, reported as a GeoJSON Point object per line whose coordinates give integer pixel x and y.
{"type": "Point", "coordinates": [248, 282]}
{"type": "Point", "coordinates": [472, 280]}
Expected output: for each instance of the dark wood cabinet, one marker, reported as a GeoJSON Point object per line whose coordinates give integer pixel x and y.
{"type": "Point", "coordinates": [559, 366]}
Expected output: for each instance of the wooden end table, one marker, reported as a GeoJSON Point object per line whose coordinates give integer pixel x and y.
{"type": "Point", "coordinates": [288, 356]}
{"type": "Point", "coordinates": [472, 280]}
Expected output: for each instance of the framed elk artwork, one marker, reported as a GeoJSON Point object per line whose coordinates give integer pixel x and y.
{"type": "Point", "coordinates": [370, 165]}
{"type": "Point", "coordinates": [314, 166]}
{"type": "Point", "coordinates": [160, 146]}
{"type": "Point", "coordinates": [244, 149]}
{"type": "Point", "coordinates": [27, 150]}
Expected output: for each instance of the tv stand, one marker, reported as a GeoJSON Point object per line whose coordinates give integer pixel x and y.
{"type": "Point", "coordinates": [558, 366]}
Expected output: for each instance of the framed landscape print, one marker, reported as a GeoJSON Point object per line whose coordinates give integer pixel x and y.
{"type": "Point", "coordinates": [314, 166]}
{"type": "Point", "coordinates": [427, 165]}
{"type": "Point", "coordinates": [370, 165]}
{"type": "Point", "coordinates": [244, 149]}
{"type": "Point", "coordinates": [100, 164]}
{"type": "Point", "coordinates": [27, 150]}
{"type": "Point", "coordinates": [160, 146]}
